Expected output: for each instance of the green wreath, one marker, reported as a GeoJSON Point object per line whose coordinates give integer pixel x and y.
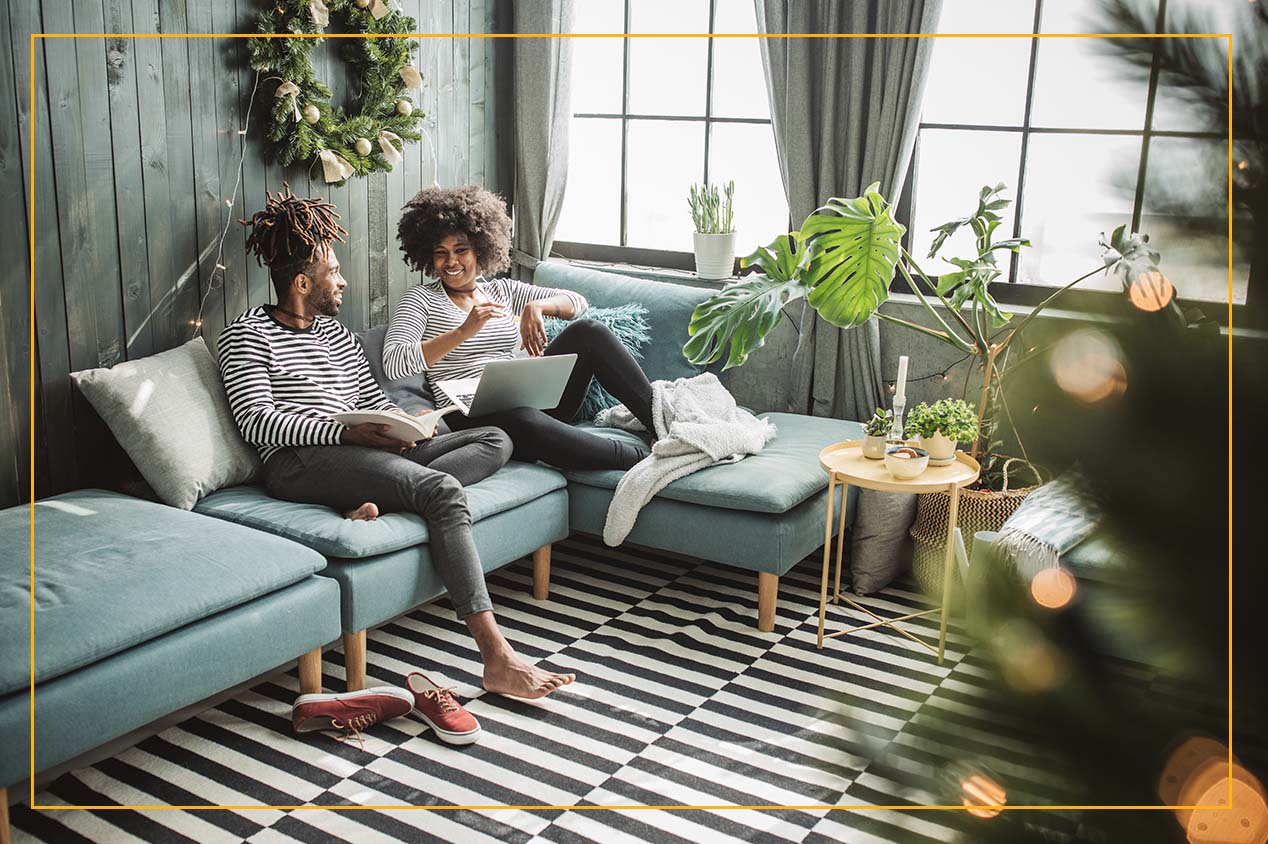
{"type": "Point", "coordinates": [304, 124]}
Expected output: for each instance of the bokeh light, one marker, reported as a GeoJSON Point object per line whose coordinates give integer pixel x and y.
{"type": "Point", "coordinates": [983, 795]}
{"type": "Point", "coordinates": [1151, 291]}
{"type": "Point", "coordinates": [1053, 588]}
{"type": "Point", "coordinates": [1198, 774]}
{"type": "Point", "coordinates": [976, 788]}
{"type": "Point", "coordinates": [1088, 365]}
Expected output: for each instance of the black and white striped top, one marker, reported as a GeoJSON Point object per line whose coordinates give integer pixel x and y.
{"type": "Point", "coordinates": [426, 312]}
{"type": "Point", "coordinates": [284, 383]}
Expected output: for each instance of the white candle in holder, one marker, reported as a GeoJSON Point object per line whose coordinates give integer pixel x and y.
{"type": "Point", "coordinates": [900, 392]}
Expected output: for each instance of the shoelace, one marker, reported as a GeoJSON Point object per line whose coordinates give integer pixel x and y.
{"type": "Point", "coordinates": [443, 698]}
{"type": "Point", "coordinates": [353, 727]}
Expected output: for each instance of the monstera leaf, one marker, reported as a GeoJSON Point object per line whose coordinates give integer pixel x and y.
{"type": "Point", "coordinates": [853, 248]}
{"type": "Point", "coordinates": [781, 259]}
{"type": "Point", "coordinates": [742, 314]}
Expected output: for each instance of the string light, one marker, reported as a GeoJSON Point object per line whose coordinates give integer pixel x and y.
{"type": "Point", "coordinates": [943, 375]}
{"type": "Point", "coordinates": [216, 280]}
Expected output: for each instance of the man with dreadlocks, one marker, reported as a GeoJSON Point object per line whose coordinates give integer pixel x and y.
{"type": "Point", "coordinates": [289, 366]}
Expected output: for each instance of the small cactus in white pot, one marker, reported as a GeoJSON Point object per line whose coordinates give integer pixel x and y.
{"type": "Point", "coordinates": [713, 213]}
{"type": "Point", "coordinates": [875, 433]}
{"type": "Point", "coordinates": [941, 425]}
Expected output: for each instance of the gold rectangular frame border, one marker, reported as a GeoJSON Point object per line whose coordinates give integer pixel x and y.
{"type": "Point", "coordinates": [1225, 806]}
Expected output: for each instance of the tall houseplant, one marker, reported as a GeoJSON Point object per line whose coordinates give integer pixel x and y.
{"type": "Point", "coordinates": [843, 261]}
{"type": "Point", "coordinates": [713, 213]}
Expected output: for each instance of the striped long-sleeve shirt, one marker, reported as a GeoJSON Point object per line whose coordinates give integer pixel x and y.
{"type": "Point", "coordinates": [284, 383]}
{"type": "Point", "coordinates": [426, 312]}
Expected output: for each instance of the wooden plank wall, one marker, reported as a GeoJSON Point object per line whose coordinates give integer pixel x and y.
{"type": "Point", "coordinates": [136, 153]}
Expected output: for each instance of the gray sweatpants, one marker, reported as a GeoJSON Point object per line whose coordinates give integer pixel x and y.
{"type": "Point", "coordinates": [427, 480]}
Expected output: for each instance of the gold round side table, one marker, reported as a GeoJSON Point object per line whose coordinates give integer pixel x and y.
{"type": "Point", "coordinates": [845, 464]}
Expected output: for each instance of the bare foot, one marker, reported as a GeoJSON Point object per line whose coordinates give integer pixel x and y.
{"type": "Point", "coordinates": [510, 675]}
{"type": "Point", "coordinates": [368, 511]}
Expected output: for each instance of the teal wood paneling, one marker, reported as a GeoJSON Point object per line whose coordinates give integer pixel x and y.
{"type": "Point", "coordinates": [127, 153]}
{"type": "Point", "coordinates": [15, 295]}
{"type": "Point", "coordinates": [136, 153]}
{"type": "Point", "coordinates": [55, 467]}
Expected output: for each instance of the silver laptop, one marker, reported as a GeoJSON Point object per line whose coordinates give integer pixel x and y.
{"type": "Point", "coordinates": [521, 382]}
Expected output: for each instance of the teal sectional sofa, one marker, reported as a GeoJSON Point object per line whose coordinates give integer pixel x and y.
{"type": "Point", "coordinates": [144, 609]}
{"type": "Point", "coordinates": [141, 610]}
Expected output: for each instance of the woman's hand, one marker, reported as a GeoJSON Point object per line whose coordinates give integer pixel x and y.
{"type": "Point", "coordinates": [480, 313]}
{"type": "Point", "coordinates": [533, 329]}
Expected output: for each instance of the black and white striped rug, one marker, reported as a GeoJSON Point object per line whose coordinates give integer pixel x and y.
{"type": "Point", "coordinates": [679, 701]}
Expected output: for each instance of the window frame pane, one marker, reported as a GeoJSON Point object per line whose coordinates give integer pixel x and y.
{"type": "Point", "coordinates": [1016, 292]}
{"type": "Point", "coordinates": [638, 254]}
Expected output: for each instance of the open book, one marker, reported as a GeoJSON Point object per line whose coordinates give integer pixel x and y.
{"type": "Point", "coordinates": [400, 425]}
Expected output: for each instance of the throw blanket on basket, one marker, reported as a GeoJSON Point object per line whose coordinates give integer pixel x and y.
{"type": "Point", "coordinates": [697, 424]}
{"type": "Point", "coordinates": [1051, 521]}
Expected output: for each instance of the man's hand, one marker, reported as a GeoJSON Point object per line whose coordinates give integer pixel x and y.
{"type": "Point", "coordinates": [533, 329]}
{"type": "Point", "coordinates": [371, 435]}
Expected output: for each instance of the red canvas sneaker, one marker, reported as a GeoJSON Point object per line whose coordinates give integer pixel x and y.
{"type": "Point", "coordinates": [442, 712]}
{"type": "Point", "coordinates": [351, 712]}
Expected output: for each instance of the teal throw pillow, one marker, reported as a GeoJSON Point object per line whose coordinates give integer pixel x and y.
{"type": "Point", "coordinates": [629, 324]}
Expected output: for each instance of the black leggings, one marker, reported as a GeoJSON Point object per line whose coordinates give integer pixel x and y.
{"type": "Point", "coordinates": [547, 436]}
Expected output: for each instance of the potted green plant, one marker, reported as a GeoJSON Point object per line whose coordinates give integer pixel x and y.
{"type": "Point", "coordinates": [843, 260]}
{"type": "Point", "coordinates": [713, 213]}
{"type": "Point", "coordinates": [876, 432]}
{"type": "Point", "coordinates": [941, 425]}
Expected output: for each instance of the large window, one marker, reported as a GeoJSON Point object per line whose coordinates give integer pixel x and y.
{"type": "Point", "coordinates": [1085, 141]}
{"type": "Point", "coordinates": [654, 115]}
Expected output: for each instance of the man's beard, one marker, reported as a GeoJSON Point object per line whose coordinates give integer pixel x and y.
{"type": "Point", "coordinates": [324, 304]}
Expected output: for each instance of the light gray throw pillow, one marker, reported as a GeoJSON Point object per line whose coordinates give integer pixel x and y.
{"type": "Point", "coordinates": [170, 413]}
{"type": "Point", "coordinates": [880, 549]}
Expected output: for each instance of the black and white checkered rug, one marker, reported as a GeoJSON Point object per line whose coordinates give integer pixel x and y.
{"type": "Point", "coordinates": [679, 701]}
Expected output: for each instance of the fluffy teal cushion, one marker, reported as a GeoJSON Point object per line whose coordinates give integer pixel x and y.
{"type": "Point", "coordinates": [629, 324]}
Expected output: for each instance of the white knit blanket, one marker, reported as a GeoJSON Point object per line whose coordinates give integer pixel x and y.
{"type": "Point", "coordinates": [697, 424]}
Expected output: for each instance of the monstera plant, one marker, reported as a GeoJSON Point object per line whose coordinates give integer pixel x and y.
{"type": "Point", "coordinates": [843, 260]}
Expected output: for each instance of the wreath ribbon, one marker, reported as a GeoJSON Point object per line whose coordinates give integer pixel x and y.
{"type": "Point", "coordinates": [334, 167]}
{"type": "Point", "coordinates": [321, 15]}
{"type": "Point", "coordinates": [290, 89]}
{"type": "Point", "coordinates": [387, 143]}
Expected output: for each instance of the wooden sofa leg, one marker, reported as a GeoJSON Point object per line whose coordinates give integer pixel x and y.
{"type": "Point", "coordinates": [541, 573]}
{"type": "Point", "coordinates": [4, 816]}
{"type": "Point", "coordinates": [310, 672]}
{"type": "Point", "coordinates": [767, 592]}
{"type": "Point", "coordinates": [354, 660]}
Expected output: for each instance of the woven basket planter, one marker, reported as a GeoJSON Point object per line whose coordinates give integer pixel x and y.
{"type": "Point", "coordinates": [980, 509]}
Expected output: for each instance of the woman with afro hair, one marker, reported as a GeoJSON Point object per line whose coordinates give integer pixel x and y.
{"type": "Point", "coordinates": [453, 324]}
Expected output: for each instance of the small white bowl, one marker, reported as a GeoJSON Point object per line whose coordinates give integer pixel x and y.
{"type": "Point", "coordinates": [906, 468]}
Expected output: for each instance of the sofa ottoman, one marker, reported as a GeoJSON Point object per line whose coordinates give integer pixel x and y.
{"type": "Point", "coordinates": [764, 513]}
{"type": "Point", "coordinates": [384, 567]}
{"type": "Point", "coordinates": [140, 610]}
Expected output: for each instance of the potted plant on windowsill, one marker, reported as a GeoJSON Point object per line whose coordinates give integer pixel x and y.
{"type": "Point", "coordinates": [713, 213]}
{"type": "Point", "coordinates": [941, 426]}
{"type": "Point", "coordinates": [876, 432]}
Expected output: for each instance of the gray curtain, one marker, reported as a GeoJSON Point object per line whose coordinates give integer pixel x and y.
{"type": "Point", "coordinates": [844, 112]}
{"type": "Point", "coordinates": [543, 96]}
